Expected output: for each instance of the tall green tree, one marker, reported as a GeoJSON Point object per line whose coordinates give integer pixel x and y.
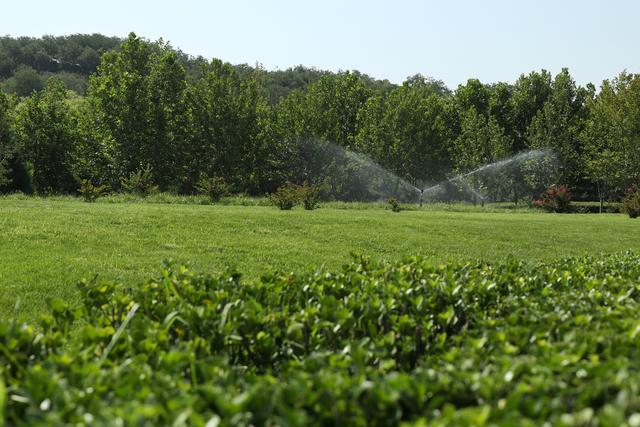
{"type": "Point", "coordinates": [474, 94]}
{"type": "Point", "coordinates": [45, 138]}
{"type": "Point", "coordinates": [611, 135]}
{"type": "Point", "coordinates": [94, 155]}
{"type": "Point", "coordinates": [481, 141]}
{"type": "Point", "coordinates": [139, 96]}
{"type": "Point", "coordinates": [316, 128]}
{"type": "Point", "coordinates": [406, 131]}
{"type": "Point", "coordinates": [223, 117]}
{"type": "Point", "coordinates": [530, 93]}
{"type": "Point", "coordinates": [500, 107]}
{"type": "Point", "coordinates": [168, 119]}
{"type": "Point", "coordinates": [6, 140]}
{"type": "Point", "coordinates": [120, 95]}
{"type": "Point", "coordinates": [559, 123]}
{"type": "Point", "coordinates": [331, 107]}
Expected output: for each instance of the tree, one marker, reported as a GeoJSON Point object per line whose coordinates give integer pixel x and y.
{"type": "Point", "coordinates": [481, 141]}
{"type": "Point", "coordinates": [139, 97]}
{"type": "Point", "coordinates": [530, 93]}
{"type": "Point", "coordinates": [559, 123]}
{"type": "Point", "coordinates": [317, 128]}
{"type": "Point", "coordinates": [611, 135]}
{"type": "Point", "coordinates": [6, 140]}
{"type": "Point", "coordinates": [501, 108]}
{"type": "Point", "coordinates": [94, 153]}
{"type": "Point", "coordinates": [88, 60]}
{"type": "Point", "coordinates": [120, 96]}
{"type": "Point", "coordinates": [474, 95]}
{"type": "Point", "coordinates": [331, 106]}
{"type": "Point", "coordinates": [223, 121]}
{"type": "Point", "coordinates": [7, 65]}
{"type": "Point", "coordinates": [45, 138]}
{"type": "Point", "coordinates": [167, 121]}
{"type": "Point", "coordinates": [25, 81]}
{"type": "Point", "coordinates": [406, 131]}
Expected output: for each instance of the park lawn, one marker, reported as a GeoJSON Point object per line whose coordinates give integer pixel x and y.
{"type": "Point", "coordinates": [46, 246]}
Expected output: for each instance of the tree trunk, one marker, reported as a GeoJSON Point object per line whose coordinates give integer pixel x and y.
{"type": "Point", "coordinates": [600, 196]}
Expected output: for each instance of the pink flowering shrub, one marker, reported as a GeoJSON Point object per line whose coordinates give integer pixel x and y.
{"type": "Point", "coordinates": [556, 198]}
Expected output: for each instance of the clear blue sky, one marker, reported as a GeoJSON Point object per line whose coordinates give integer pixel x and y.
{"type": "Point", "coordinates": [493, 40]}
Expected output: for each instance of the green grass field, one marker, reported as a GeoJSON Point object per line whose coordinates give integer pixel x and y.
{"type": "Point", "coordinates": [47, 245]}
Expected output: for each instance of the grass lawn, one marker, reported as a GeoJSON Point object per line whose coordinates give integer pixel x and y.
{"type": "Point", "coordinates": [47, 245]}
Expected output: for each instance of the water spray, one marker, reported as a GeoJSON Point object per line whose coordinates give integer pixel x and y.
{"type": "Point", "coordinates": [462, 180]}
{"type": "Point", "coordinates": [358, 177]}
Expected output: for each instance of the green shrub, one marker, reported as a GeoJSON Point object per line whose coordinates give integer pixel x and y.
{"type": "Point", "coordinates": [631, 203]}
{"type": "Point", "coordinates": [90, 191]}
{"type": "Point", "coordinates": [394, 205]}
{"type": "Point", "coordinates": [310, 196]}
{"type": "Point", "coordinates": [140, 182]}
{"type": "Point", "coordinates": [286, 196]}
{"type": "Point", "coordinates": [378, 344]}
{"type": "Point", "coordinates": [213, 187]}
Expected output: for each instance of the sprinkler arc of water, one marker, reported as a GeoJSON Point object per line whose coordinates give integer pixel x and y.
{"type": "Point", "coordinates": [379, 181]}
{"type": "Point", "coordinates": [462, 178]}
{"type": "Point", "coordinates": [384, 183]}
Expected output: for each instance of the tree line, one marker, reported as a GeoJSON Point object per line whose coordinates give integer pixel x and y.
{"type": "Point", "coordinates": [148, 106]}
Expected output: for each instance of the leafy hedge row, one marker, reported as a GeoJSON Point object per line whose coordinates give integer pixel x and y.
{"type": "Point", "coordinates": [377, 344]}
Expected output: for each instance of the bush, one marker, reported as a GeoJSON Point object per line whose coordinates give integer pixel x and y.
{"type": "Point", "coordinates": [140, 182]}
{"type": "Point", "coordinates": [286, 196]}
{"type": "Point", "coordinates": [379, 344]}
{"type": "Point", "coordinates": [310, 196]}
{"type": "Point", "coordinates": [556, 198]}
{"type": "Point", "coordinates": [90, 191]}
{"type": "Point", "coordinates": [213, 187]}
{"type": "Point", "coordinates": [631, 203]}
{"type": "Point", "coordinates": [394, 204]}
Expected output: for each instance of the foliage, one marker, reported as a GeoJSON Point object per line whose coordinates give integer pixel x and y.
{"type": "Point", "coordinates": [394, 205]}
{"type": "Point", "coordinates": [224, 113]}
{"type": "Point", "coordinates": [74, 53]}
{"type": "Point", "coordinates": [148, 103]}
{"type": "Point", "coordinates": [559, 123]}
{"type": "Point", "coordinates": [376, 344]}
{"type": "Point", "coordinates": [286, 196]}
{"type": "Point", "coordinates": [309, 196]}
{"type": "Point", "coordinates": [137, 94]}
{"type": "Point", "coordinates": [631, 203]}
{"type": "Point", "coordinates": [406, 131]}
{"type": "Point", "coordinates": [556, 198]}
{"type": "Point", "coordinates": [7, 147]}
{"type": "Point", "coordinates": [24, 82]}
{"type": "Point", "coordinates": [612, 133]}
{"type": "Point", "coordinates": [140, 182]}
{"type": "Point", "coordinates": [45, 134]}
{"type": "Point", "coordinates": [90, 191]}
{"type": "Point", "coordinates": [214, 188]}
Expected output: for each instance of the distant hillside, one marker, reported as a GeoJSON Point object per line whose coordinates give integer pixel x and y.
{"type": "Point", "coordinates": [26, 63]}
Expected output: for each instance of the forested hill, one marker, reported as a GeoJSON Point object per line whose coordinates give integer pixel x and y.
{"type": "Point", "coordinates": [26, 63]}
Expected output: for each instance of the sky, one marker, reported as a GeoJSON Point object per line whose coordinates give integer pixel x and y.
{"type": "Point", "coordinates": [452, 41]}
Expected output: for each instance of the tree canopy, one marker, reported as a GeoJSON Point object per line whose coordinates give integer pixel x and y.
{"type": "Point", "coordinates": [100, 108]}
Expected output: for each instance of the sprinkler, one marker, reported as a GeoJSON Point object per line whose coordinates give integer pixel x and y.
{"type": "Point", "coordinates": [421, 191]}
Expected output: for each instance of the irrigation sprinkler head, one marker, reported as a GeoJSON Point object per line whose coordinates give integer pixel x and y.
{"type": "Point", "coordinates": [420, 199]}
